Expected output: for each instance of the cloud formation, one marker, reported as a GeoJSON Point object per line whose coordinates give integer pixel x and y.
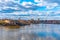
{"type": "Point", "coordinates": [4, 1]}
{"type": "Point", "coordinates": [11, 6]}
{"type": "Point", "coordinates": [24, 6]}
{"type": "Point", "coordinates": [53, 1]}
{"type": "Point", "coordinates": [38, 7]}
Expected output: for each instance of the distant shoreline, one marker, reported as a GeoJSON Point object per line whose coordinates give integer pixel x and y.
{"type": "Point", "coordinates": [27, 22]}
{"type": "Point", "coordinates": [14, 24]}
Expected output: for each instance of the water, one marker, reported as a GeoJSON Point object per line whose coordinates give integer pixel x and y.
{"type": "Point", "coordinates": [32, 32]}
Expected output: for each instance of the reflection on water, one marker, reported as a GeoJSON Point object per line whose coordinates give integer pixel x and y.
{"type": "Point", "coordinates": [32, 32]}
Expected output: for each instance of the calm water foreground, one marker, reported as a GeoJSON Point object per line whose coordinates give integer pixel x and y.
{"type": "Point", "coordinates": [32, 32]}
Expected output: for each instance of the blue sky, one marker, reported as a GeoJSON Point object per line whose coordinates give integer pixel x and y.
{"type": "Point", "coordinates": [36, 7]}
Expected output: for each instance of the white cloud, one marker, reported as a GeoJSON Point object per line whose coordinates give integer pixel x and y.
{"type": "Point", "coordinates": [34, 12]}
{"type": "Point", "coordinates": [57, 12]}
{"type": "Point", "coordinates": [9, 0]}
{"type": "Point", "coordinates": [45, 3]}
{"type": "Point", "coordinates": [51, 5]}
{"type": "Point", "coordinates": [4, 4]}
{"type": "Point", "coordinates": [42, 4]}
{"type": "Point", "coordinates": [29, 12]}
{"type": "Point", "coordinates": [16, 13]}
{"type": "Point", "coordinates": [38, 1]}
{"type": "Point", "coordinates": [6, 7]}
{"type": "Point", "coordinates": [25, 4]}
{"type": "Point", "coordinates": [19, 13]}
{"type": "Point", "coordinates": [55, 4]}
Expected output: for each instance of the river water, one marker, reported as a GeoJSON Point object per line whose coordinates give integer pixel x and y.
{"type": "Point", "coordinates": [32, 32]}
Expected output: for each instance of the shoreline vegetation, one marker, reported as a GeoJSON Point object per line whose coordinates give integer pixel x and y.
{"type": "Point", "coordinates": [14, 24]}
